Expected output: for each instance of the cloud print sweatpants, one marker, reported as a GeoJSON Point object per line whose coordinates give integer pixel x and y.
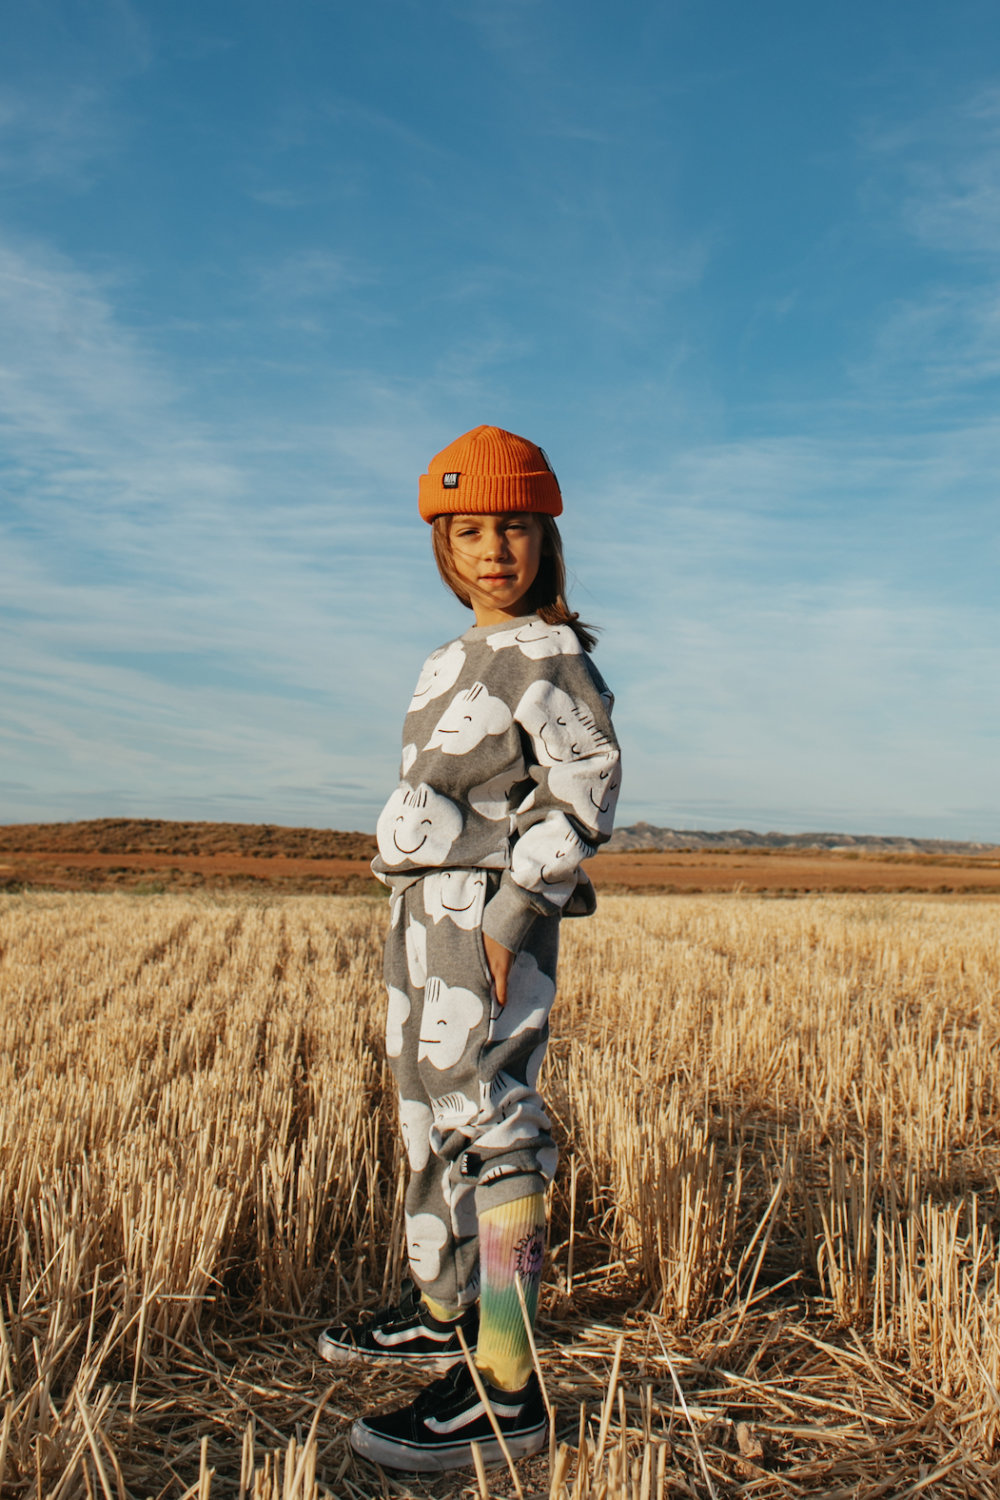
{"type": "Point", "coordinates": [475, 1127]}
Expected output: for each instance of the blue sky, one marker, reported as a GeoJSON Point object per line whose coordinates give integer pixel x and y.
{"type": "Point", "coordinates": [736, 267]}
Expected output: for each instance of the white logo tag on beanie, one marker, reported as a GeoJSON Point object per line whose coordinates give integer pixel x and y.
{"type": "Point", "coordinates": [450, 481]}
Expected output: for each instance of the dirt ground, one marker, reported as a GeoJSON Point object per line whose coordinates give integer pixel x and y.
{"type": "Point", "coordinates": [151, 857]}
{"type": "Point", "coordinates": [68, 871]}
{"type": "Point", "coordinates": [795, 872]}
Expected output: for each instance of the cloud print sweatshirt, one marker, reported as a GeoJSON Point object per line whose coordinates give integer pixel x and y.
{"type": "Point", "coordinates": [509, 762]}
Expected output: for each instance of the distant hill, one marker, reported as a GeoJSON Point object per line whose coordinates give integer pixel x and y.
{"type": "Point", "coordinates": [269, 840]}
{"type": "Point", "coordinates": [639, 836]}
{"type": "Point", "coordinates": [158, 836]}
{"type": "Point", "coordinates": [147, 856]}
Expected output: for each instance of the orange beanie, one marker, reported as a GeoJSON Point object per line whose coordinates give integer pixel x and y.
{"type": "Point", "coordinates": [486, 471]}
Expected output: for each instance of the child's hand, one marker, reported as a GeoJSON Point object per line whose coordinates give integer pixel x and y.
{"type": "Point", "coordinates": [500, 960]}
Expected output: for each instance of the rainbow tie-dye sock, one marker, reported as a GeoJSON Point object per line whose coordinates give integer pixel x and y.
{"type": "Point", "coordinates": [511, 1245]}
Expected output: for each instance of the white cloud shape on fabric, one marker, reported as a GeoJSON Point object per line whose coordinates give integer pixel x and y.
{"type": "Point", "coordinates": [407, 758]}
{"type": "Point", "coordinates": [470, 717]}
{"type": "Point", "coordinates": [450, 1013]}
{"type": "Point", "coordinates": [425, 1239]}
{"type": "Point", "coordinates": [537, 640]}
{"type": "Point", "coordinates": [562, 730]}
{"type": "Point", "coordinates": [529, 999]}
{"type": "Point", "coordinates": [491, 799]}
{"type": "Point", "coordinates": [416, 953]}
{"type": "Point", "coordinates": [511, 1112]}
{"type": "Point", "coordinates": [548, 857]}
{"type": "Point", "coordinates": [452, 1111]}
{"type": "Point", "coordinates": [417, 823]}
{"type": "Point", "coordinates": [590, 788]}
{"type": "Point", "coordinates": [439, 672]}
{"type": "Point", "coordinates": [397, 1012]}
{"type": "Point", "coordinates": [493, 1091]}
{"type": "Point", "coordinates": [415, 1120]}
{"type": "Point", "coordinates": [457, 895]}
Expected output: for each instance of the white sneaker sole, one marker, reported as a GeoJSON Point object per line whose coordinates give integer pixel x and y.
{"type": "Point", "coordinates": [349, 1354]}
{"type": "Point", "coordinates": [418, 1458]}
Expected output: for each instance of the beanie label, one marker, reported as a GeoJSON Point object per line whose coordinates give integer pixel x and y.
{"type": "Point", "coordinates": [449, 481]}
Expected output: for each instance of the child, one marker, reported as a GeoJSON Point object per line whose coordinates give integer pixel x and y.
{"type": "Point", "coordinates": [510, 778]}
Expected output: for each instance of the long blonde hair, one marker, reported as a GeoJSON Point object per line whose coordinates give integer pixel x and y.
{"type": "Point", "coordinates": [547, 595]}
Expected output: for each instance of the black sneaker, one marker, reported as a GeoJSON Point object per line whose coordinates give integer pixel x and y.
{"type": "Point", "coordinates": [435, 1432]}
{"type": "Point", "coordinates": [406, 1333]}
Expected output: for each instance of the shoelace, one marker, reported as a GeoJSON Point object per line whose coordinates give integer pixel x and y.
{"type": "Point", "coordinates": [457, 1382]}
{"type": "Point", "coordinates": [442, 1389]}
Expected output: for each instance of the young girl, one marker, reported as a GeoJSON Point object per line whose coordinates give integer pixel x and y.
{"type": "Point", "coordinates": [510, 778]}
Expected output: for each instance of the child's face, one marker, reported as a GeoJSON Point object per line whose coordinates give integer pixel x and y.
{"type": "Point", "coordinates": [497, 558]}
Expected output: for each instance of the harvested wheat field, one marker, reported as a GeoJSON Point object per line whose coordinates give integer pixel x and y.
{"type": "Point", "coordinates": [773, 1264]}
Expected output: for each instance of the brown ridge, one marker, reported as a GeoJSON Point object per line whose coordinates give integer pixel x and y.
{"type": "Point", "coordinates": [153, 854]}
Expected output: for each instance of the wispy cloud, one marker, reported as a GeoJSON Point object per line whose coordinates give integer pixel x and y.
{"type": "Point", "coordinates": [952, 165]}
{"type": "Point", "coordinates": [936, 346]}
{"type": "Point", "coordinates": [857, 701]}
{"type": "Point", "coordinates": [134, 529]}
{"type": "Point", "coordinates": [59, 122]}
{"type": "Point", "coordinates": [815, 614]}
{"type": "Point", "coordinates": [310, 291]}
{"type": "Point", "coordinates": [308, 275]}
{"type": "Point", "coordinates": [943, 171]}
{"type": "Point", "coordinates": [61, 137]}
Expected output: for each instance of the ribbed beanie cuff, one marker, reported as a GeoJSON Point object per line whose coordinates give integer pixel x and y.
{"type": "Point", "coordinates": [487, 471]}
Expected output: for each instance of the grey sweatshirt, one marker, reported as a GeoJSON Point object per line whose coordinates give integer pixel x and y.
{"type": "Point", "coordinates": [509, 763]}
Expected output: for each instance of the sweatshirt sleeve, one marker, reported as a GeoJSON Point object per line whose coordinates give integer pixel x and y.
{"type": "Point", "coordinates": [573, 760]}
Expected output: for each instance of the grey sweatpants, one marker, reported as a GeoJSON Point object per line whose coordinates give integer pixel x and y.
{"type": "Point", "coordinates": [475, 1128]}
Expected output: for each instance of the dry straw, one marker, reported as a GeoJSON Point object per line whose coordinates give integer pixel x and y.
{"type": "Point", "coordinates": [773, 1259]}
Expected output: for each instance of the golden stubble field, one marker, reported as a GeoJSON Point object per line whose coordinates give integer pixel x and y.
{"type": "Point", "coordinates": [773, 1265]}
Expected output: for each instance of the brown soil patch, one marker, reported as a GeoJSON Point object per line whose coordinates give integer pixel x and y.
{"type": "Point", "coordinates": [797, 873]}
{"type": "Point", "coordinates": [156, 836]}
{"type": "Point", "coordinates": [94, 872]}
